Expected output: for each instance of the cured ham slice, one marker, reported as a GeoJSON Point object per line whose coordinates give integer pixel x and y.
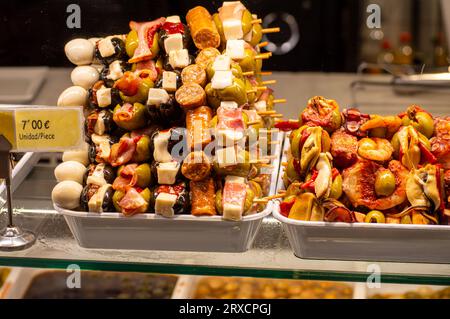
{"type": "Point", "coordinates": [147, 69]}
{"type": "Point", "coordinates": [128, 84]}
{"type": "Point", "coordinates": [133, 203]}
{"type": "Point", "coordinates": [125, 113]}
{"type": "Point", "coordinates": [230, 124]}
{"type": "Point", "coordinates": [233, 198]}
{"type": "Point", "coordinates": [127, 179]}
{"type": "Point", "coordinates": [122, 152]}
{"type": "Point", "coordinates": [146, 31]}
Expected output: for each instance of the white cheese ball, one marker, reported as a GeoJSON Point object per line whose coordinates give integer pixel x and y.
{"type": "Point", "coordinates": [80, 51]}
{"type": "Point", "coordinates": [70, 171]}
{"type": "Point", "coordinates": [84, 76]}
{"type": "Point", "coordinates": [80, 156]}
{"type": "Point", "coordinates": [67, 194]}
{"type": "Point", "coordinates": [73, 96]}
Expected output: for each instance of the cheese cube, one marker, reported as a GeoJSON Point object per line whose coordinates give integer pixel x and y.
{"type": "Point", "coordinates": [232, 212]}
{"type": "Point", "coordinates": [106, 48]}
{"type": "Point", "coordinates": [179, 58]}
{"type": "Point", "coordinates": [235, 49]}
{"type": "Point", "coordinates": [232, 29]}
{"type": "Point", "coordinates": [173, 19]}
{"type": "Point", "coordinates": [261, 106]}
{"type": "Point", "coordinates": [161, 143]}
{"type": "Point", "coordinates": [104, 97]}
{"type": "Point", "coordinates": [164, 204]}
{"type": "Point", "coordinates": [221, 80]}
{"type": "Point", "coordinates": [229, 136]}
{"type": "Point", "coordinates": [226, 156]}
{"type": "Point", "coordinates": [173, 42]}
{"type": "Point", "coordinates": [221, 63]}
{"type": "Point", "coordinates": [167, 173]}
{"type": "Point", "coordinates": [169, 81]}
{"type": "Point", "coordinates": [157, 97]}
{"type": "Point", "coordinates": [229, 105]}
{"type": "Point", "coordinates": [115, 71]}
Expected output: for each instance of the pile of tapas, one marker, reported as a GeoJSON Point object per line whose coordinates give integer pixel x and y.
{"type": "Point", "coordinates": [358, 168]}
{"type": "Point", "coordinates": [178, 118]}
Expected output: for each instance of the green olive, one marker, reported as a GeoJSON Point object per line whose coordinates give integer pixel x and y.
{"type": "Point", "coordinates": [218, 202]}
{"type": "Point", "coordinates": [146, 194]}
{"type": "Point", "coordinates": [336, 187]}
{"type": "Point", "coordinates": [246, 21]}
{"type": "Point", "coordinates": [131, 43]}
{"type": "Point", "coordinates": [155, 45]}
{"type": "Point", "coordinates": [256, 188]}
{"type": "Point", "coordinates": [241, 169]}
{"type": "Point", "coordinates": [234, 67]}
{"type": "Point", "coordinates": [138, 119]}
{"type": "Point", "coordinates": [250, 196]}
{"type": "Point", "coordinates": [142, 94]}
{"type": "Point", "coordinates": [384, 182]}
{"type": "Point", "coordinates": [212, 96]}
{"type": "Point", "coordinates": [375, 217]}
{"type": "Point", "coordinates": [144, 175]}
{"type": "Point", "coordinates": [117, 197]}
{"type": "Point", "coordinates": [420, 120]}
{"type": "Point", "coordinates": [256, 34]}
{"type": "Point", "coordinates": [251, 97]}
{"type": "Point", "coordinates": [248, 63]}
{"type": "Point", "coordinates": [395, 142]}
{"type": "Point", "coordinates": [142, 152]}
{"type": "Point", "coordinates": [219, 27]}
{"type": "Point", "coordinates": [295, 138]}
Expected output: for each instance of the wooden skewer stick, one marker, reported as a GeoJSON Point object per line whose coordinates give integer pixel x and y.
{"type": "Point", "coordinates": [290, 120]}
{"type": "Point", "coordinates": [278, 101]}
{"type": "Point", "coordinates": [265, 73]}
{"type": "Point", "coordinates": [270, 30]}
{"type": "Point", "coordinates": [263, 56]}
{"type": "Point", "coordinates": [261, 88]}
{"type": "Point", "coordinates": [297, 184]}
{"type": "Point", "coordinates": [266, 112]}
{"type": "Point", "coordinates": [277, 115]}
{"type": "Point", "coordinates": [252, 91]}
{"type": "Point", "coordinates": [262, 44]}
{"type": "Point", "coordinates": [268, 82]}
{"type": "Point", "coordinates": [260, 201]}
{"type": "Point", "coordinates": [253, 122]}
{"type": "Point", "coordinates": [256, 21]}
{"type": "Point", "coordinates": [282, 191]}
{"type": "Point", "coordinates": [249, 73]}
{"type": "Point", "coordinates": [275, 196]}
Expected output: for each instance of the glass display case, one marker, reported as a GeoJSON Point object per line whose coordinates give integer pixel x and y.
{"type": "Point", "coordinates": [341, 50]}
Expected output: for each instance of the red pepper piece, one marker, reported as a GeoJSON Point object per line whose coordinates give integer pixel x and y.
{"type": "Point", "coordinates": [287, 126]}
{"type": "Point", "coordinates": [427, 156]}
{"type": "Point", "coordinates": [285, 207]}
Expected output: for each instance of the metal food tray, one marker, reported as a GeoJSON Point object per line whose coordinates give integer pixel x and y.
{"type": "Point", "coordinates": [181, 233]}
{"type": "Point", "coordinates": [366, 242]}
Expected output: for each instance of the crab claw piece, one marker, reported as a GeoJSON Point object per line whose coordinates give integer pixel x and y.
{"type": "Point", "coordinates": [322, 184]}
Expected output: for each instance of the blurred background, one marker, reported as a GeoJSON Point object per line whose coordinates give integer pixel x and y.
{"type": "Point", "coordinates": [319, 35]}
{"type": "Point", "coordinates": [339, 49]}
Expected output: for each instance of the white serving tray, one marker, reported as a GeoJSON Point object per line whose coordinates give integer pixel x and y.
{"type": "Point", "coordinates": [359, 241]}
{"type": "Point", "coordinates": [181, 233]}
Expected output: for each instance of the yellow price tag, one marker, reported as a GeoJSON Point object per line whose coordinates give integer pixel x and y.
{"type": "Point", "coordinates": [44, 129]}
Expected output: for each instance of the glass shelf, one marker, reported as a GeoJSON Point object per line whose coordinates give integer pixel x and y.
{"type": "Point", "coordinates": [270, 256]}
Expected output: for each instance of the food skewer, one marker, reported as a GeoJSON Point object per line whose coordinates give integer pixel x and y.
{"type": "Point", "coordinates": [264, 73]}
{"type": "Point", "coordinates": [264, 113]}
{"type": "Point", "coordinates": [256, 21]}
{"type": "Point", "coordinates": [270, 30]}
{"type": "Point", "coordinates": [263, 56]}
{"type": "Point", "coordinates": [268, 82]}
{"type": "Point", "coordinates": [262, 44]}
{"type": "Point", "coordinates": [277, 115]}
{"type": "Point", "coordinates": [278, 101]}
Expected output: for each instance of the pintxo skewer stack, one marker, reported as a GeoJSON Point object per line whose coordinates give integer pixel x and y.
{"type": "Point", "coordinates": [178, 118]}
